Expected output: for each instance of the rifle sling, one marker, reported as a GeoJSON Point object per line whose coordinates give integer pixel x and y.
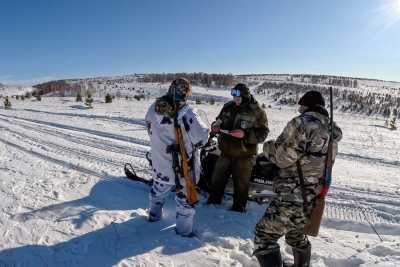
{"type": "Point", "coordinates": [302, 185]}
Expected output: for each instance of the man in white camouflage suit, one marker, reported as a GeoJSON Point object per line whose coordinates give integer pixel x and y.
{"type": "Point", "coordinates": [160, 122]}
{"type": "Point", "coordinates": [305, 140]}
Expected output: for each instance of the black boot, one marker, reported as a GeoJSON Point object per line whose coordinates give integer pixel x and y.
{"type": "Point", "coordinates": [214, 199]}
{"type": "Point", "coordinates": [271, 258]}
{"type": "Point", "coordinates": [238, 209]}
{"type": "Point", "coordinates": [302, 256]}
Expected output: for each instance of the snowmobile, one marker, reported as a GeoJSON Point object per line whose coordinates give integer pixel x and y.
{"type": "Point", "coordinates": [261, 180]}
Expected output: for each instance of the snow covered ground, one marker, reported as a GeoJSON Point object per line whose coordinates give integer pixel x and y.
{"type": "Point", "coordinates": [9, 90]}
{"type": "Point", "coordinates": [64, 200]}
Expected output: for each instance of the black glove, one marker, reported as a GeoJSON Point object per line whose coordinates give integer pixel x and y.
{"type": "Point", "coordinates": [172, 148]}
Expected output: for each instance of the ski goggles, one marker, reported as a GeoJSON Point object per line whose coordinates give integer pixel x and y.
{"type": "Point", "coordinates": [236, 92]}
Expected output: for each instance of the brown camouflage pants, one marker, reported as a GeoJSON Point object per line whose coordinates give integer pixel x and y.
{"type": "Point", "coordinates": [283, 218]}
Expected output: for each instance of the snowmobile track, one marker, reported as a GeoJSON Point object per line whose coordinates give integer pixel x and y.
{"type": "Point", "coordinates": [85, 140]}
{"type": "Point", "coordinates": [87, 131]}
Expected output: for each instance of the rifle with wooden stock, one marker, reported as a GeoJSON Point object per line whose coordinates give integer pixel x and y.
{"type": "Point", "coordinates": [191, 194]}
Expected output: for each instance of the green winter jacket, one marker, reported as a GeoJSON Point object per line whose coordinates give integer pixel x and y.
{"type": "Point", "coordinates": [250, 118]}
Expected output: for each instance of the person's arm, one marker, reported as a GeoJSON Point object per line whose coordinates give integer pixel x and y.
{"type": "Point", "coordinates": [196, 129]}
{"type": "Point", "coordinates": [216, 125]}
{"type": "Point", "coordinates": [259, 132]}
{"type": "Point", "coordinates": [284, 151]}
{"type": "Point", "coordinates": [147, 118]}
{"type": "Point", "coordinates": [337, 132]}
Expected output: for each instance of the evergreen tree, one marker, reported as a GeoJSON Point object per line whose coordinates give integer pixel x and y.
{"type": "Point", "coordinates": [108, 98]}
{"type": "Point", "coordinates": [89, 100]}
{"type": "Point", "coordinates": [7, 103]}
{"type": "Point", "coordinates": [78, 97]}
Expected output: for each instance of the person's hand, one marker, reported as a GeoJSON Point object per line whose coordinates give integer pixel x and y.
{"type": "Point", "coordinates": [215, 128]}
{"type": "Point", "coordinates": [237, 133]}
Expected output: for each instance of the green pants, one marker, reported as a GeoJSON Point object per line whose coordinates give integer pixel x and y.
{"type": "Point", "coordinates": [240, 169]}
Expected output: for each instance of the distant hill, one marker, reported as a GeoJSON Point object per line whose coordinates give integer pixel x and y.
{"type": "Point", "coordinates": [126, 85]}
{"type": "Point", "coordinates": [11, 90]}
{"type": "Point", "coordinates": [129, 85]}
{"type": "Point", "coordinates": [352, 94]}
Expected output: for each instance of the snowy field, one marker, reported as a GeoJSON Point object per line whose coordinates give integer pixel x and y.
{"type": "Point", "coordinates": [64, 200]}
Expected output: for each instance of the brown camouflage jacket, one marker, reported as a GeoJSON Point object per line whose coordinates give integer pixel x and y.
{"type": "Point", "coordinates": [305, 138]}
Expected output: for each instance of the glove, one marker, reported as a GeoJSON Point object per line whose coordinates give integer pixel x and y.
{"type": "Point", "coordinates": [237, 133]}
{"type": "Point", "coordinates": [215, 127]}
{"type": "Point", "coordinates": [172, 148]}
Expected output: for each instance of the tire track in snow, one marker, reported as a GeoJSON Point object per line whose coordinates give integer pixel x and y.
{"type": "Point", "coordinates": [58, 149]}
{"type": "Point", "coordinates": [368, 159]}
{"type": "Point", "coordinates": [96, 117]}
{"type": "Point", "coordinates": [53, 160]}
{"type": "Point", "coordinates": [89, 141]}
{"type": "Point", "coordinates": [358, 203]}
{"type": "Point", "coordinates": [83, 130]}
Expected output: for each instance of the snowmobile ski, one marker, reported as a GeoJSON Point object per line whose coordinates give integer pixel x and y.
{"type": "Point", "coordinates": [131, 175]}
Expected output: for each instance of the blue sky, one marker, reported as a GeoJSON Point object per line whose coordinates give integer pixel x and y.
{"type": "Point", "coordinates": [54, 39]}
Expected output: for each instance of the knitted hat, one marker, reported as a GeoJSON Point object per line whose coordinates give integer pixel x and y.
{"type": "Point", "coordinates": [312, 98]}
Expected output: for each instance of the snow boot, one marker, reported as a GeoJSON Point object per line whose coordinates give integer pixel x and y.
{"type": "Point", "coordinates": [302, 256]}
{"type": "Point", "coordinates": [270, 258]}
{"type": "Point", "coordinates": [212, 200]}
{"type": "Point", "coordinates": [184, 216]}
{"type": "Point", "coordinates": [238, 209]}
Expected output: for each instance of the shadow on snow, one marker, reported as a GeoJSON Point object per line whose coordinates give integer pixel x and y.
{"type": "Point", "coordinates": [119, 240]}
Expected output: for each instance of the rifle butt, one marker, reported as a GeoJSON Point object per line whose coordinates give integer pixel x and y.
{"type": "Point", "coordinates": [312, 227]}
{"type": "Point", "coordinates": [192, 197]}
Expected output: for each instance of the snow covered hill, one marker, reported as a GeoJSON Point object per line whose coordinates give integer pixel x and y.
{"type": "Point", "coordinates": [12, 90]}
{"type": "Point", "coordinates": [65, 202]}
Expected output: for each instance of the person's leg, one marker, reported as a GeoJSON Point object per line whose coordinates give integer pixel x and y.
{"type": "Point", "coordinates": [184, 215]}
{"type": "Point", "coordinates": [219, 178]}
{"type": "Point", "coordinates": [157, 196]}
{"type": "Point", "coordinates": [241, 171]}
{"type": "Point", "coordinates": [301, 247]}
{"type": "Point", "coordinates": [296, 238]}
{"type": "Point", "coordinates": [268, 230]}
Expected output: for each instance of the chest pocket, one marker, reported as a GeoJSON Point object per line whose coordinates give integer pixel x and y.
{"type": "Point", "coordinates": [244, 121]}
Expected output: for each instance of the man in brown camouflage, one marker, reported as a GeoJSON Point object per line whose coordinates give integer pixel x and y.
{"type": "Point", "coordinates": [241, 124]}
{"type": "Point", "coordinates": [305, 139]}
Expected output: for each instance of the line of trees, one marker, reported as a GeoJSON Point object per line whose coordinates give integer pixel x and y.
{"type": "Point", "coordinates": [344, 99]}
{"type": "Point", "coordinates": [197, 78]}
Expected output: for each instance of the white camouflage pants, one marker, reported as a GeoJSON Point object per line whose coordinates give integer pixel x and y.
{"type": "Point", "coordinates": [184, 211]}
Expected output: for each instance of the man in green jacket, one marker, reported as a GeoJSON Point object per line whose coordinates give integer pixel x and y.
{"type": "Point", "coordinates": [242, 124]}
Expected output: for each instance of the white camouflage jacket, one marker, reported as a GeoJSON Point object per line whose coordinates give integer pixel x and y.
{"type": "Point", "coordinates": [161, 131]}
